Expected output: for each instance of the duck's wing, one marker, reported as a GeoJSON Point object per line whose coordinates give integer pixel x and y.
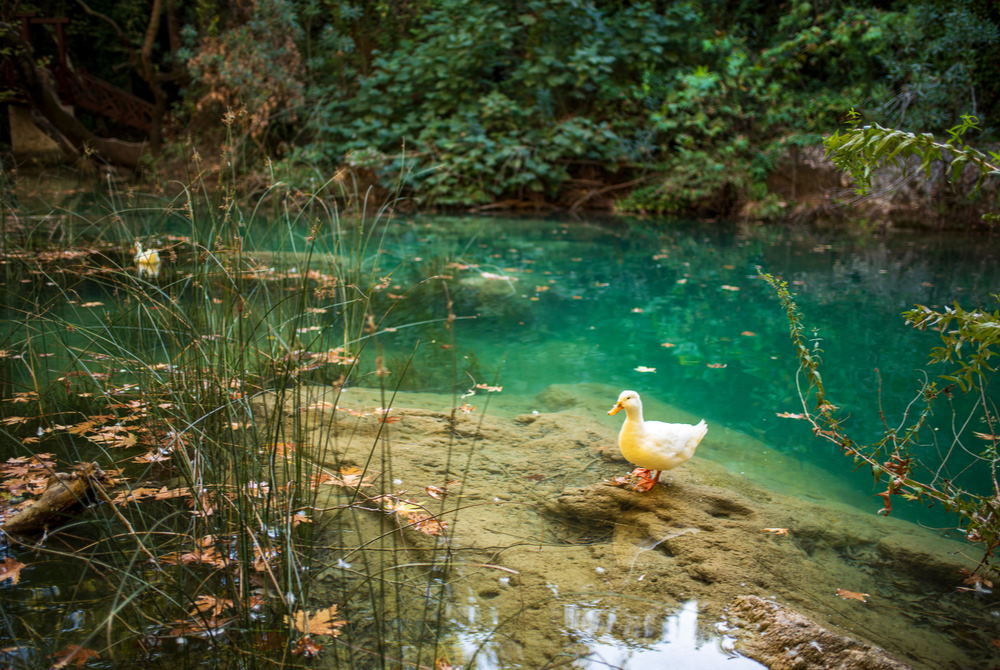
{"type": "Point", "coordinates": [676, 437]}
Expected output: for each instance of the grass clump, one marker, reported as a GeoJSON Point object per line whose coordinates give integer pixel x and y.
{"type": "Point", "coordinates": [199, 400]}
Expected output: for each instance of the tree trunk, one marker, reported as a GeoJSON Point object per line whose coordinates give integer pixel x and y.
{"type": "Point", "coordinates": [149, 73]}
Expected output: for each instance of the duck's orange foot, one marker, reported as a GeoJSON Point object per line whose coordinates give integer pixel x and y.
{"type": "Point", "coordinates": [639, 480]}
{"type": "Point", "coordinates": [642, 480]}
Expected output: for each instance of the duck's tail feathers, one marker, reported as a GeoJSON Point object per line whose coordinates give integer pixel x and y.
{"type": "Point", "coordinates": [700, 429]}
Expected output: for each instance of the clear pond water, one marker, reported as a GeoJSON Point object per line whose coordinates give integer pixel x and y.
{"type": "Point", "coordinates": [672, 309]}
{"type": "Point", "coordinates": [676, 311]}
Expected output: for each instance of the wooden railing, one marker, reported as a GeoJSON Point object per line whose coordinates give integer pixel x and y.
{"type": "Point", "coordinates": [96, 95]}
{"type": "Point", "coordinates": [83, 89]}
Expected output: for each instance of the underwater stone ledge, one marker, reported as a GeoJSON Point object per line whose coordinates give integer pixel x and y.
{"type": "Point", "coordinates": [783, 639]}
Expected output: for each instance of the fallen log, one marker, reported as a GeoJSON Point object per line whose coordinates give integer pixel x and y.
{"type": "Point", "coordinates": [64, 492]}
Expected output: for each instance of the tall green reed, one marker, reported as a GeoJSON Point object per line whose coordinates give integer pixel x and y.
{"type": "Point", "coordinates": [206, 545]}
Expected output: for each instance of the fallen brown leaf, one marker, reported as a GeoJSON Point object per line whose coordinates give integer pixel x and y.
{"type": "Point", "coordinates": [74, 654]}
{"type": "Point", "coordinates": [306, 647]}
{"type": "Point", "coordinates": [263, 557]}
{"type": "Point", "coordinates": [776, 531]}
{"type": "Point", "coordinates": [975, 578]}
{"type": "Point", "coordinates": [211, 605]}
{"type": "Point", "coordinates": [10, 569]}
{"type": "Point", "coordinates": [152, 456]}
{"type": "Point", "coordinates": [350, 477]}
{"type": "Point", "coordinates": [115, 437]}
{"type": "Point", "coordinates": [318, 622]}
{"type": "Point", "coordinates": [435, 492]}
{"type": "Point", "coordinates": [200, 626]}
{"type": "Point", "coordinates": [853, 595]}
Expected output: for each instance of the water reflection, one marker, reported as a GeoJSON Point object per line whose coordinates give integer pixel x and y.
{"type": "Point", "coordinates": [673, 641]}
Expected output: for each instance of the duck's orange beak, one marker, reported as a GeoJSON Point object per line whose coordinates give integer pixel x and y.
{"type": "Point", "coordinates": [614, 410]}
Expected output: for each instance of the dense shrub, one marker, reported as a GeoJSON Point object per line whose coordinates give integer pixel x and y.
{"type": "Point", "coordinates": [666, 106]}
{"type": "Point", "coordinates": [526, 99]}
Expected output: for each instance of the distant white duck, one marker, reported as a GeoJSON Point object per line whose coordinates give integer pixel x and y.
{"type": "Point", "coordinates": [653, 445]}
{"type": "Point", "coordinates": [147, 261]}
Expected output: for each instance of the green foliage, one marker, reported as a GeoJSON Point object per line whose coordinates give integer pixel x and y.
{"type": "Point", "coordinates": [492, 100]}
{"type": "Point", "coordinates": [861, 150]}
{"type": "Point", "coordinates": [942, 61]}
{"type": "Point", "coordinates": [497, 100]}
{"type": "Point", "coordinates": [254, 66]}
{"type": "Point", "coordinates": [969, 340]}
{"type": "Point", "coordinates": [546, 101]}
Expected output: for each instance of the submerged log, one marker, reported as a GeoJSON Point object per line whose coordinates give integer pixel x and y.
{"type": "Point", "coordinates": [64, 492]}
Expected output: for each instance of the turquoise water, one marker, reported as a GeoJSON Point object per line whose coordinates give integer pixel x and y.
{"type": "Point", "coordinates": [676, 311]}
{"type": "Point", "coordinates": [672, 309]}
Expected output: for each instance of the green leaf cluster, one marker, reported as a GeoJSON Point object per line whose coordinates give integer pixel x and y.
{"type": "Point", "coordinates": [970, 339]}
{"type": "Point", "coordinates": [531, 99]}
{"type": "Point", "coordinates": [861, 150]}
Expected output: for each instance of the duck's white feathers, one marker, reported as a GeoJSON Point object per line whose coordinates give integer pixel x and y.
{"type": "Point", "coordinates": [145, 256]}
{"type": "Point", "coordinates": [655, 445]}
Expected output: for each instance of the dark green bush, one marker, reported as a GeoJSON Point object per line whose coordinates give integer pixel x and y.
{"type": "Point", "coordinates": [525, 100]}
{"type": "Point", "coordinates": [666, 106]}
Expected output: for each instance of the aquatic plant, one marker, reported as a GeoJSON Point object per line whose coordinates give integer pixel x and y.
{"type": "Point", "coordinates": [970, 490]}
{"type": "Point", "coordinates": [207, 397]}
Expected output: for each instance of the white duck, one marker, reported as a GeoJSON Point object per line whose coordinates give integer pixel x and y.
{"type": "Point", "coordinates": [147, 261]}
{"type": "Point", "coordinates": [654, 445]}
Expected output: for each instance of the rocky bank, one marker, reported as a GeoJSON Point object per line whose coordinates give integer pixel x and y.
{"type": "Point", "coordinates": [540, 534]}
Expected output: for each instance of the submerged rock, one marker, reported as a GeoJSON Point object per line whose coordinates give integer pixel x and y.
{"type": "Point", "coordinates": [557, 397]}
{"type": "Point", "coordinates": [786, 640]}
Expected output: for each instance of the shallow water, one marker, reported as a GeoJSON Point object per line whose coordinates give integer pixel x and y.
{"type": "Point", "coordinates": [551, 574]}
{"type": "Point", "coordinates": [674, 310]}
{"type": "Point", "coordinates": [679, 641]}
